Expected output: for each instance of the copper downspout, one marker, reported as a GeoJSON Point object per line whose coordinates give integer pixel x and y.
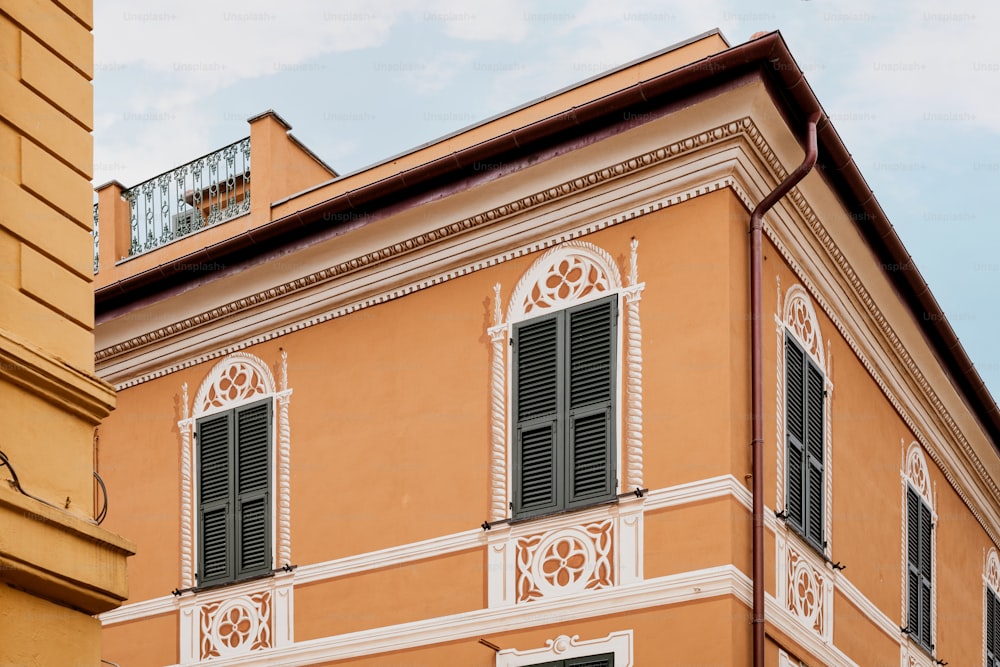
{"type": "Point", "coordinates": [757, 379]}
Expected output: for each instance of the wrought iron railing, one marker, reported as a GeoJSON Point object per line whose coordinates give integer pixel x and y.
{"type": "Point", "coordinates": [97, 240]}
{"type": "Point", "coordinates": [201, 193]}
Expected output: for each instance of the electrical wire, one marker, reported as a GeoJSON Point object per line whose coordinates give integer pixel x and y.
{"type": "Point", "coordinates": [16, 483]}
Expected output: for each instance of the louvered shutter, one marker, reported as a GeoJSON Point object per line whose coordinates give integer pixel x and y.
{"type": "Point", "coordinates": [913, 562]}
{"type": "Point", "coordinates": [253, 488]}
{"type": "Point", "coordinates": [606, 660]}
{"type": "Point", "coordinates": [537, 393]}
{"type": "Point", "coordinates": [215, 502]}
{"type": "Point", "coordinates": [814, 451]}
{"type": "Point", "coordinates": [925, 575]}
{"type": "Point", "coordinates": [795, 392]}
{"type": "Point", "coordinates": [992, 629]}
{"type": "Point", "coordinates": [918, 566]}
{"type": "Point", "coordinates": [590, 375]}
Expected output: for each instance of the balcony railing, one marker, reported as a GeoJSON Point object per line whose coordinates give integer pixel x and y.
{"type": "Point", "coordinates": [201, 193]}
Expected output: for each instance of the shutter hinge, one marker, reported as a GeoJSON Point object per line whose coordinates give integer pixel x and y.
{"type": "Point", "coordinates": [511, 505]}
{"type": "Point", "coordinates": [510, 341]}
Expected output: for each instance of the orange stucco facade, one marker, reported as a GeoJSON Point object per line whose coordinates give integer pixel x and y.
{"type": "Point", "coordinates": [385, 350]}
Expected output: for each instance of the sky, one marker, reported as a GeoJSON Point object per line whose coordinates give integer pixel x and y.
{"type": "Point", "coordinates": [913, 88]}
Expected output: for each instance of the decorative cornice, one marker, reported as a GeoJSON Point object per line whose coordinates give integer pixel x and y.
{"type": "Point", "coordinates": [740, 127]}
{"type": "Point", "coordinates": [723, 182]}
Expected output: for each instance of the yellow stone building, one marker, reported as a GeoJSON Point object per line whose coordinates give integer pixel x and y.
{"type": "Point", "coordinates": [58, 566]}
{"type": "Point", "coordinates": [636, 374]}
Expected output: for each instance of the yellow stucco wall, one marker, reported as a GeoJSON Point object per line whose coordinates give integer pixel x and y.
{"type": "Point", "coordinates": [61, 564]}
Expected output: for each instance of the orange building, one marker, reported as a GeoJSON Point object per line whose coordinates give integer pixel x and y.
{"type": "Point", "coordinates": [58, 565]}
{"type": "Point", "coordinates": [619, 378]}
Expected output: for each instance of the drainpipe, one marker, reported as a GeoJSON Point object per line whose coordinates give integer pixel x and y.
{"type": "Point", "coordinates": [757, 380]}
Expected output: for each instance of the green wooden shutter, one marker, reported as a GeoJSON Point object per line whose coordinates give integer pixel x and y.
{"type": "Point", "coordinates": [590, 411]}
{"type": "Point", "coordinates": [992, 629]}
{"type": "Point", "coordinates": [912, 561]}
{"type": "Point", "coordinates": [253, 488]}
{"type": "Point", "coordinates": [814, 453]}
{"type": "Point", "coordinates": [795, 361]}
{"type": "Point", "coordinates": [918, 566]}
{"type": "Point", "coordinates": [925, 575]}
{"type": "Point", "coordinates": [804, 442]}
{"type": "Point", "coordinates": [215, 502]}
{"type": "Point", "coordinates": [537, 392]}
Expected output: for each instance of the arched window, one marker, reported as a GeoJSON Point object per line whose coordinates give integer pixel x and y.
{"type": "Point", "coordinates": [804, 425]}
{"type": "Point", "coordinates": [566, 427]}
{"type": "Point", "coordinates": [564, 384]}
{"type": "Point", "coordinates": [991, 614]}
{"type": "Point", "coordinates": [234, 474]}
{"type": "Point", "coordinates": [919, 520]}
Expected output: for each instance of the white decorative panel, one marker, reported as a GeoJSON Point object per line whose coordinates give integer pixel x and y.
{"type": "Point", "coordinates": [565, 555]}
{"type": "Point", "coordinates": [237, 620]}
{"type": "Point", "coordinates": [566, 560]}
{"type": "Point", "coordinates": [785, 661]}
{"type": "Point", "coordinates": [805, 585]}
{"type": "Point", "coordinates": [237, 626]}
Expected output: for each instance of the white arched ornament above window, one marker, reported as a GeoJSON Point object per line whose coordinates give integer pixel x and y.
{"type": "Point", "coordinates": [570, 273]}
{"type": "Point", "coordinates": [991, 574]}
{"type": "Point", "coordinates": [917, 474]}
{"type": "Point", "coordinates": [237, 379]}
{"type": "Point", "coordinates": [800, 318]}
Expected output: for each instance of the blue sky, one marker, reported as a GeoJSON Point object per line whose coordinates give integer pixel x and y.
{"type": "Point", "coordinates": [913, 87]}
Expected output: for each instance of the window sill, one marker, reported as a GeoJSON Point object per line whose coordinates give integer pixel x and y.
{"type": "Point", "coordinates": [514, 521]}
{"type": "Point", "coordinates": [819, 549]}
{"type": "Point", "coordinates": [231, 582]}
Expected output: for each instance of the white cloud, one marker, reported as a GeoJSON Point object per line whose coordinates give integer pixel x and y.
{"type": "Point", "coordinates": [482, 21]}
{"type": "Point", "coordinates": [209, 45]}
{"type": "Point", "coordinates": [939, 64]}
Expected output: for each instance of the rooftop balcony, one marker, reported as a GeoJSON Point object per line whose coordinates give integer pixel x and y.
{"type": "Point", "coordinates": [200, 203]}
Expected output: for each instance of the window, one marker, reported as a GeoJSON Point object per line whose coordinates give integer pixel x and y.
{"type": "Point", "coordinates": [606, 660]}
{"type": "Point", "coordinates": [234, 493]}
{"type": "Point", "coordinates": [918, 569]}
{"type": "Point", "coordinates": [564, 409]}
{"type": "Point", "coordinates": [992, 628]}
{"type": "Point", "coordinates": [804, 433]}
